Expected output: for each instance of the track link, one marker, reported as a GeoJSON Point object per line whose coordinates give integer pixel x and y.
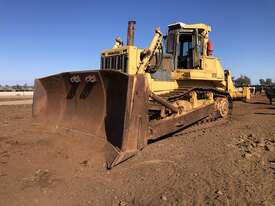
{"type": "Point", "coordinates": [207, 122]}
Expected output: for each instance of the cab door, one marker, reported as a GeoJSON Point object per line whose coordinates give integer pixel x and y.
{"type": "Point", "coordinates": [197, 49]}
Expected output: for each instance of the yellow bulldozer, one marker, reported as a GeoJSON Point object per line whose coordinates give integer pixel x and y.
{"type": "Point", "coordinates": [139, 95]}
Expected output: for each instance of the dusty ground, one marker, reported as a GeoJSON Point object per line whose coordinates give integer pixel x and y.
{"type": "Point", "coordinates": [231, 163]}
{"type": "Point", "coordinates": [15, 100]}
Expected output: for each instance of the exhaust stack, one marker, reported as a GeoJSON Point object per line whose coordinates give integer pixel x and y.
{"type": "Point", "coordinates": [131, 33]}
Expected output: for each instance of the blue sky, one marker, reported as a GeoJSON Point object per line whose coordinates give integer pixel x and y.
{"type": "Point", "coordinates": [39, 38]}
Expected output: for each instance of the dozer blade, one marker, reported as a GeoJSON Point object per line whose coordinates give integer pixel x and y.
{"type": "Point", "coordinates": [106, 104]}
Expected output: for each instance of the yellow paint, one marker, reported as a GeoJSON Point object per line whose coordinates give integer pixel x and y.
{"type": "Point", "coordinates": [210, 74]}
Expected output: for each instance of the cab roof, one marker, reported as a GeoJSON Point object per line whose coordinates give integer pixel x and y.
{"type": "Point", "coordinates": [181, 25]}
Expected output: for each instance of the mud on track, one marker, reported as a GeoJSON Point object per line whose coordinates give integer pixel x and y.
{"type": "Point", "coordinates": [232, 163]}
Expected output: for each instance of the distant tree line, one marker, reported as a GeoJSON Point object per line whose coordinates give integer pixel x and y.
{"type": "Point", "coordinates": [243, 81]}
{"type": "Point", "coordinates": [266, 82]}
{"type": "Point", "coordinates": [17, 87]}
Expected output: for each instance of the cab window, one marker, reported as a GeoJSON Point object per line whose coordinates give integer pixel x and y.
{"type": "Point", "coordinates": [185, 53]}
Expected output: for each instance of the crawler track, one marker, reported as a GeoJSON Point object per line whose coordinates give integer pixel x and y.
{"type": "Point", "coordinates": [185, 93]}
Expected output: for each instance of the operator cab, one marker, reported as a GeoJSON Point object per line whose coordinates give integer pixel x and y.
{"type": "Point", "coordinates": [187, 44]}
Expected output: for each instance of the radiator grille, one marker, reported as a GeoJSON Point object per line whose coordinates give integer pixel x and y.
{"type": "Point", "coordinates": [115, 62]}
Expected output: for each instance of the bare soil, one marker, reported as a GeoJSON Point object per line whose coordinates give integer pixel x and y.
{"type": "Point", "coordinates": [14, 98]}
{"type": "Point", "coordinates": [225, 163]}
{"type": "Point", "coordinates": [16, 102]}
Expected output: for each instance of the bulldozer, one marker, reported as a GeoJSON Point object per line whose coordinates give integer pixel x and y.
{"type": "Point", "coordinates": [140, 94]}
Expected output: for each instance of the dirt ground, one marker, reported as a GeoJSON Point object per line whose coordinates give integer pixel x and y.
{"type": "Point", "coordinates": [15, 100]}
{"type": "Point", "coordinates": [226, 163]}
